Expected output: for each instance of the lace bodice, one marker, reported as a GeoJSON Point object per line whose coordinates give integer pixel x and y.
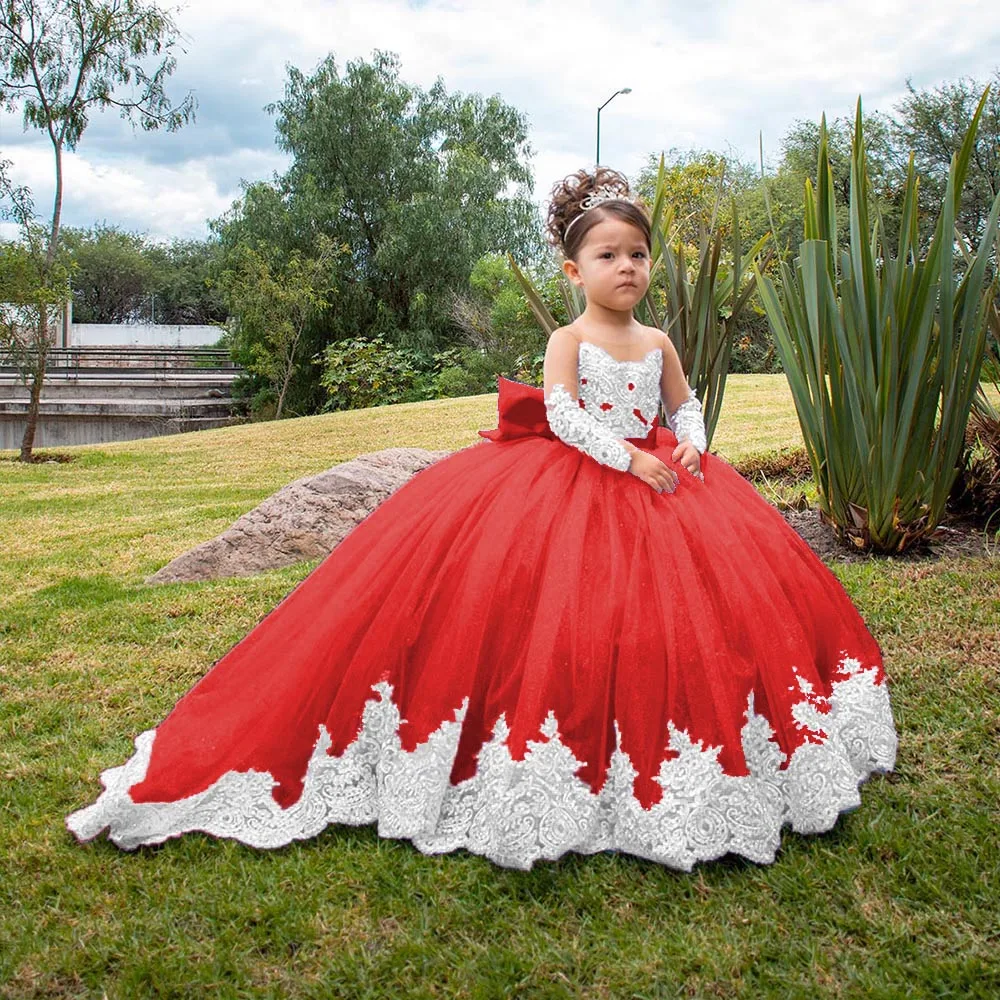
{"type": "Point", "coordinates": [622, 395]}
{"type": "Point", "coordinates": [617, 400]}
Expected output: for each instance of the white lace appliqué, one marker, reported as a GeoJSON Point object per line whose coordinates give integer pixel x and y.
{"type": "Point", "coordinates": [515, 812]}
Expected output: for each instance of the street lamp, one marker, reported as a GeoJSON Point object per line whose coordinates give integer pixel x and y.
{"type": "Point", "coordinates": [624, 90]}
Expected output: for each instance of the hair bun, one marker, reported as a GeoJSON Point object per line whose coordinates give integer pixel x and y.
{"type": "Point", "coordinates": [569, 194]}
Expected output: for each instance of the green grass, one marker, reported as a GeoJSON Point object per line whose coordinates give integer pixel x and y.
{"type": "Point", "coordinates": [899, 900]}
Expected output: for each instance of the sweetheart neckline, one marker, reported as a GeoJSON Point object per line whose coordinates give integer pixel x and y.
{"type": "Point", "coordinates": [620, 361]}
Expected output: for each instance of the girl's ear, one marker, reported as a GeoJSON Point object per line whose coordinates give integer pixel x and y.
{"type": "Point", "coordinates": [572, 272]}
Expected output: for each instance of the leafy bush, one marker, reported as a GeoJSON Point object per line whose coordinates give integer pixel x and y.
{"type": "Point", "coordinates": [364, 372]}
{"type": "Point", "coordinates": [753, 350]}
{"type": "Point", "coordinates": [475, 372]}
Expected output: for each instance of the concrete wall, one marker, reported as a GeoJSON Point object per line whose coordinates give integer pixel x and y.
{"type": "Point", "coordinates": [142, 335]}
{"type": "Point", "coordinates": [54, 430]}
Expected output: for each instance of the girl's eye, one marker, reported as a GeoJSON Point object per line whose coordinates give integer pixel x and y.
{"type": "Point", "coordinates": [639, 253]}
{"type": "Point", "coordinates": [607, 253]}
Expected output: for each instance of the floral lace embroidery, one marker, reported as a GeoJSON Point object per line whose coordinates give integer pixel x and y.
{"type": "Point", "coordinates": [613, 391]}
{"type": "Point", "coordinates": [515, 812]}
{"type": "Point", "coordinates": [580, 429]}
{"type": "Point", "coordinates": [687, 422]}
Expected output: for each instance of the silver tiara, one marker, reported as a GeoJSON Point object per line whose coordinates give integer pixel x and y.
{"type": "Point", "coordinates": [598, 197]}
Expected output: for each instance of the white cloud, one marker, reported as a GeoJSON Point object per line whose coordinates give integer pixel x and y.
{"type": "Point", "coordinates": [712, 76]}
{"type": "Point", "coordinates": [162, 200]}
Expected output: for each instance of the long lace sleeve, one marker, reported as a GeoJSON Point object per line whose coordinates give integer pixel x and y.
{"type": "Point", "coordinates": [687, 422]}
{"type": "Point", "coordinates": [578, 428]}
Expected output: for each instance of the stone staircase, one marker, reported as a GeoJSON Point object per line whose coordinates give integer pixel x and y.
{"type": "Point", "coordinates": [93, 395]}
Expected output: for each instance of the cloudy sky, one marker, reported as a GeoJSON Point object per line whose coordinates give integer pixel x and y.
{"type": "Point", "coordinates": [710, 75]}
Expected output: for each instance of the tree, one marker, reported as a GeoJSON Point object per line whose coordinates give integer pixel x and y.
{"type": "Point", "coordinates": [29, 287]}
{"type": "Point", "coordinates": [933, 123]}
{"type": "Point", "coordinates": [418, 184]}
{"type": "Point", "coordinates": [185, 289]}
{"type": "Point", "coordinates": [60, 60]}
{"type": "Point", "coordinates": [113, 274]}
{"type": "Point", "coordinates": [277, 224]}
{"type": "Point", "coordinates": [124, 277]}
{"type": "Point", "coordinates": [403, 173]}
{"type": "Point", "coordinates": [801, 149]}
{"type": "Point", "coordinates": [886, 166]}
{"type": "Point", "coordinates": [704, 189]}
{"type": "Point", "coordinates": [270, 308]}
{"type": "Point", "coordinates": [699, 184]}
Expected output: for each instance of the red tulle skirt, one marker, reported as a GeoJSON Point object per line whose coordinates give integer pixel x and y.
{"type": "Point", "coordinates": [522, 652]}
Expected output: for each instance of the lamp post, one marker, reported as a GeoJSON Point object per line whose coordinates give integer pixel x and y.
{"type": "Point", "coordinates": [624, 90]}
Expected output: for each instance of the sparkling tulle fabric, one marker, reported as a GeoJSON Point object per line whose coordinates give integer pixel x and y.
{"type": "Point", "coordinates": [524, 652]}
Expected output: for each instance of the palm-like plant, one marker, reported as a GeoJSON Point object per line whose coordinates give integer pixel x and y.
{"type": "Point", "coordinates": [977, 489]}
{"type": "Point", "coordinates": [877, 343]}
{"type": "Point", "coordinates": [700, 309]}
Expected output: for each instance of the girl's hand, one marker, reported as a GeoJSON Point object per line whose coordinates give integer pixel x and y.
{"type": "Point", "coordinates": [689, 456]}
{"type": "Point", "coordinates": [651, 470]}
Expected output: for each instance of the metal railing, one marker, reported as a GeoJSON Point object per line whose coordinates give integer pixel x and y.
{"type": "Point", "coordinates": [133, 358]}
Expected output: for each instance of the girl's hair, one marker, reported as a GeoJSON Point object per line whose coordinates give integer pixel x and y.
{"type": "Point", "coordinates": [565, 206]}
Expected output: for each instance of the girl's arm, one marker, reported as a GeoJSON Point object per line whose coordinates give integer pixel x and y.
{"type": "Point", "coordinates": [568, 421]}
{"type": "Point", "coordinates": [681, 401]}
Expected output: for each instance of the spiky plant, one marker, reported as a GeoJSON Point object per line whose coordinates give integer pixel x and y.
{"type": "Point", "coordinates": [882, 348]}
{"type": "Point", "coordinates": [976, 492]}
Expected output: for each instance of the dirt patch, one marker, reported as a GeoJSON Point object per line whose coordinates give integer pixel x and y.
{"type": "Point", "coordinates": [955, 538]}
{"type": "Point", "coordinates": [40, 457]}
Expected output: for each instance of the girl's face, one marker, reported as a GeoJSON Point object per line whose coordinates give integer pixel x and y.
{"type": "Point", "coordinates": [612, 265]}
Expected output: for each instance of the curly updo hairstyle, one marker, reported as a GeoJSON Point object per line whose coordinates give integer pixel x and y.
{"type": "Point", "coordinates": [565, 205]}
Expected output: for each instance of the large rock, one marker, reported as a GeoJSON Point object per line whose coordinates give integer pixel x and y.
{"type": "Point", "coordinates": [304, 520]}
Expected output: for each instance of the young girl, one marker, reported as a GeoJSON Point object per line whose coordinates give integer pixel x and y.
{"type": "Point", "coordinates": [585, 634]}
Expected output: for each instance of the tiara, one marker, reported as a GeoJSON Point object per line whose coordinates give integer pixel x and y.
{"type": "Point", "coordinates": [606, 192]}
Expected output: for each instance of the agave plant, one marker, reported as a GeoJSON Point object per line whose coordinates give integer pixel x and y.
{"type": "Point", "coordinates": [977, 488]}
{"type": "Point", "coordinates": [882, 348]}
{"type": "Point", "coordinates": [701, 308]}
{"type": "Point", "coordinates": [985, 410]}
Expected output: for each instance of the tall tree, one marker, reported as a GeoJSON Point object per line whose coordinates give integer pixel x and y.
{"type": "Point", "coordinates": [886, 167]}
{"type": "Point", "coordinates": [270, 308]}
{"type": "Point", "coordinates": [406, 172]}
{"type": "Point", "coordinates": [419, 184]}
{"type": "Point", "coordinates": [279, 225]}
{"type": "Point", "coordinates": [933, 123]}
{"type": "Point", "coordinates": [61, 60]}
{"type": "Point", "coordinates": [28, 288]}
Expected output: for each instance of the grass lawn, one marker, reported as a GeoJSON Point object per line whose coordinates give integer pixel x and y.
{"type": "Point", "coordinates": [901, 899]}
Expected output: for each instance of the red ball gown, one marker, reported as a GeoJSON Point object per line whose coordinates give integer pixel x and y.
{"type": "Point", "coordinates": [523, 652]}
